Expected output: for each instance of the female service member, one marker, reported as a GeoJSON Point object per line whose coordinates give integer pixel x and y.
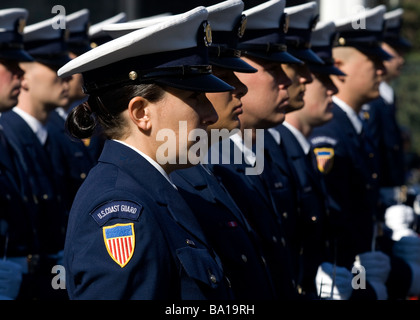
{"type": "Point", "coordinates": [130, 233]}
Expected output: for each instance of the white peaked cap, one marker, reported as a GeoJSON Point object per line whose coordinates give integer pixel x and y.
{"type": "Point", "coordinates": [96, 29]}
{"type": "Point", "coordinates": [116, 30]}
{"type": "Point", "coordinates": [8, 18]}
{"type": "Point", "coordinates": [266, 15]}
{"type": "Point", "coordinates": [222, 16]}
{"type": "Point", "coordinates": [301, 15]}
{"type": "Point", "coordinates": [393, 18]}
{"type": "Point", "coordinates": [76, 21]}
{"type": "Point", "coordinates": [374, 19]}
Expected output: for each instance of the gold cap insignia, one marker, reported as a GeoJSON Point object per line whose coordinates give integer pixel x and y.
{"type": "Point", "coordinates": [132, 75]}
{"type": "Point", "coordinates": [242, 26]}
{"type": "Point", "coordinates": [207, 34]}
{"type": "Point", "coordinates": [21, 24]}
{"type": "Point", "coordinates": [286, 23]}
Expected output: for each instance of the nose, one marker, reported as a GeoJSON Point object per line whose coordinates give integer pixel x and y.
{"type": "Point", "coordinates": [284, 80]}
{"type": "Point", "coordinates": [208, 115]}
{"type": "Point", "coordinates": [240, 88]}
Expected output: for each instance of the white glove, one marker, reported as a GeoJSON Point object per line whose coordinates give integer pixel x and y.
{"type": "Point", "coordinates": [408, 249]}
{"type": "Point", "coordinates": [334, 285]}
{"type": "Point", "coordinates": [10, 279]}
{"type": "Point", "coordinates": [399, 219]}
{"type": "Point", "coordinates": [377, 266]}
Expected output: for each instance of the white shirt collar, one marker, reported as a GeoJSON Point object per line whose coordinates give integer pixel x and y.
{"type": "Point", "coordinates": [39, 130]}
{"type": "Point", "coordinates": [275, 134]}
{"type": "Point", "coordinates": [249, 155]}
{"type": "Point", "coordinates": [151, 161]}
{"type": "Point", "coordinates": [351, 114]}
{"type": "Point", "coordinates": [386, 92]}
{"type": "Point", "coordinates": [61, 112]}
{"type": "Point", "coordinates": [306, 147]}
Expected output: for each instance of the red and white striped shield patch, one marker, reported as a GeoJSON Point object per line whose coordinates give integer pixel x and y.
{"type": "Point", "coordinates": [119, 242]}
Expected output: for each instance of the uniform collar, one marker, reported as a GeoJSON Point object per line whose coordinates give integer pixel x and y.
{"type": "Point", "coordinates": [351, 114]}
{"type": "Point", "coordinates": [39, 130]}
{"type": "Point", "coordinates": [386, 92]}
{"type": "Point", "coordinates": [275, 134]}
{"type": "Point", "coordinates": [306, 147]}
{"type": "Point", "coordinates": [249, 155]}
{"type": "Point", "coordinates": [151, 161]}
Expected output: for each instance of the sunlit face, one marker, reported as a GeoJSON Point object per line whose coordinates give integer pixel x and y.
{"type": "Point", "coordinates": [10, 84]}
{"type": "Point", "coordinates": [228, 105]}
{"type": "Point", "coordinates": [44, 86]}
{"type": "Point", "coordinates": [364, 74]}
{"type": "Point", "coordinates": [265, 103]}
{"type": "Point", "coordinates": [318, 100]}
{"type": "Point", "coordinates": [300, 77]}
{"type": "Point", "coordinates": [192, 109]}
{"type": "Point", "coordinates": [393, 66]}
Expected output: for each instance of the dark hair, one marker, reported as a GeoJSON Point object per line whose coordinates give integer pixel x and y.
{"type": "Point", "coordinates": [105, 108]}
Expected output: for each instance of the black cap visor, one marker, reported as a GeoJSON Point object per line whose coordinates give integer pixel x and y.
{"type": "Point", "coordinates": [199, 83]}
{"type": "Point", "coordinates": [306, 55]}
{"type": "Point", "coordinates": [325, 69]}
{"type": "Point", "coordinates": [232, 63]}
{"type": "Point", "coordinates": [16, 55]}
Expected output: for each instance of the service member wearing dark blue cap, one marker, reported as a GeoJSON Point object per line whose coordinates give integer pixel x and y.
{"type": "Point", "coordinates": [344, 155]}
{"type": "Point", "coordinates": [222, 221]}
{"type": "Point", "coordinates": [15, 197]}
{"type": "Point", "coordinates": [41, 92]}
{"type": "Point", "coordinates": [263, 47]}
{"type": "Point", "coordinates": [130, 234]}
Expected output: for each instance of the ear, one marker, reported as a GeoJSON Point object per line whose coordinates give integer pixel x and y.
{"type": "Point", "coordinates": [139, 112]}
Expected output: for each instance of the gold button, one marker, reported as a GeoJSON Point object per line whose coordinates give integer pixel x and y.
{"type": "Point", "coordinates": [213, 278]}
{"type": "Point", "coordinates": [45, 196]}
{"type": "Point", "coordinates": [374, 175]}
{"type": "Point", "coordinates": [285, 215]}
{"type": "Point", "coordinates": [83, 175]}
{"type": "Point", "coordinates": [313, 218]}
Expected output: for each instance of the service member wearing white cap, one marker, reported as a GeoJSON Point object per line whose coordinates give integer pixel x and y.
{"type": "Point", "coordinates": [70, 157]}
{"type": "Point", "coordinates": [263, 47]}
{"type": "Point", "coordinates": [222, 221]}
{"type": "Point", "coordinates": [344, 155]}
{"type": "Point", "coordinates": [42, 91]}
{"type": "Point", "coordinates": [14, 223]}
{"type": "Point", "coordinates": [130, 233]}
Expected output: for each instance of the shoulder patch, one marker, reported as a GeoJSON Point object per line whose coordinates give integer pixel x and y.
{"type": "Point", "coordinates": [119, 242]}
{"type": "Point", "coordinates": [123, 209]}
{"type": "Point", "coordinates": [324, 159]}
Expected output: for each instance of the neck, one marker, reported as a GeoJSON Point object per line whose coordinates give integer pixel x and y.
{"type": "Point", "coordinates": [300, 125]}
{"type": "Point", "coordinates": [38, 110]}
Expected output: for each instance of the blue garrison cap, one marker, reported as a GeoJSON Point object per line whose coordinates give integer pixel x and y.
{"type": "Point", "coordinates": [12, 22]}
{"type": "Point", "coordinates": [323, 38]}
{"type": "Point", "coordinates": [78, 24]}
{"type": "Point", "coordinates": [393, 25]}
{"type": "Point", "coordinates": [98, 36]}
{"type": "Point", "coordinates": [46, 42]}
{"type": "Point", "coordinates": [171, 53]}
{"type": "Point", "coordinates": [364, 31]}
{"type": "Point", "coordinates": [265, 33]}
{"type": "Point", "coordinates": [303, 19]}
{"type": "Point", "coordinates": [228, 26]}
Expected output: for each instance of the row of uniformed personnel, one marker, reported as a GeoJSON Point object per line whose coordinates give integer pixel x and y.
{"type": "Point", "coordinates": [142, 229]}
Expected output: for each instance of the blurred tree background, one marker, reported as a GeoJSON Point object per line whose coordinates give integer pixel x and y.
{"type": "Point", "coordinates": [407, 86]}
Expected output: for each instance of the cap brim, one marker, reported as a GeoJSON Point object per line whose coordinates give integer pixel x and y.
{"type": "Point", "coordinates": [232, 63]}
{"type": "Point", "coordinates": [399, 43]}
{"type": "Point", "coordinates": [16, 55]}
{"type": "Point", "coordinates": [306, 55]}
{"type": "Point", "coordinates": [325, 69]}
{"type": "Point", "coordinates": [200, 83]}
{"type": "Point", "coordinates": [377, 52]}
{"type": "Point", "coordinates": [280, 56]}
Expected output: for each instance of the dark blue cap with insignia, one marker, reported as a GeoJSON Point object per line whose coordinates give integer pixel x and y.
{"type": "Point", "coordinates": [265, 33]}
{"type": "Point", "coordinates": [303, 19]}
{"type": "Point", "coordinates": [364, 31]}
{"type": "Point", "coordinates": [98, 36]}
{"type": "Point", "coordinates": [12, 23]}
{"type": "Point", "coordinates": [78, 24]}
{"type": "Point", "coordinates": [47, 42]}
{"type": "Point", "coordinates": [172, 53]}
{"type": "Point", "coordinates": [393, 25]}
{"type": "Point", "coordinates": [228, 26]}
{"type": "Point", "coordinates": [323, 38]}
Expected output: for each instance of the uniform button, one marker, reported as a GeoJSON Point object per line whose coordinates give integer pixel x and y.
{"type": "Point", "coordinates": [190, 243]}
{"type": "Point", "coordinates": [374, 175]}
{"type": "Point", "coordinates": [283, 241]}
{"type": "Point", "coordinates": [371, 155]}
{"type": "Point", "coordinates": [244, 258]}
{"type": "Point", "coordinates": [314, 218]}
{"type": "Point", "coordinates": [274, 239]}
{"type": "Point", "coordinates": [213, 278]}
{"type": "Point", "coordinates": [284, 215]}
{"type": "Point", "coordinates": [83, 175]}
{"type": "Point", "coordinates": [45, 196]}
